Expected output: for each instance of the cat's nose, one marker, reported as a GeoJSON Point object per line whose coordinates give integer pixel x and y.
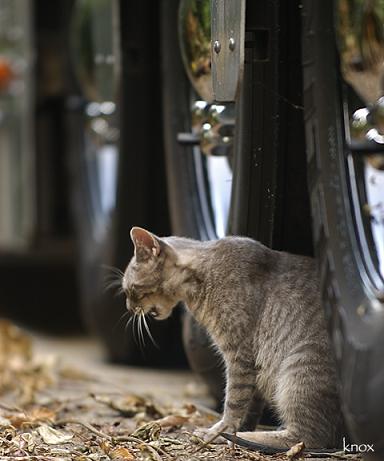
{"type": "Point", "coordinates": [154, 312]}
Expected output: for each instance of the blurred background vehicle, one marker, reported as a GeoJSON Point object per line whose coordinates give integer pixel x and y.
{"type": "Point", "coordinates": [37, 253]}
{"type": "Point", "coordinates": [74, 177]}
{"type": "Point", "coordinates": [108, 120]}
{"type": "Point", "coordinates": [117, 167]}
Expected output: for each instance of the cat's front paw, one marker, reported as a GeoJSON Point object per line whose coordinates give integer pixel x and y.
{"type": "Point", "coordinates": [212, 434]}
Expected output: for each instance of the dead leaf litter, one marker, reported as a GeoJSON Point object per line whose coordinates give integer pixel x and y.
{"type": "Point", "coordinates": [48, 412]}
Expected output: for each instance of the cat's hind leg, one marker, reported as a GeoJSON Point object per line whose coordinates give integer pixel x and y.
{"type": "Point", "coordinates": [254, 413]}
{"type": "Point", "coordinates": [240, 391]}
{"type": "Point", "coordinates": [306, 399]}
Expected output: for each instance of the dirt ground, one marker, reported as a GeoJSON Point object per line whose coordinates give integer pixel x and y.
{"type": "Point", "coordinates": [60, 401]}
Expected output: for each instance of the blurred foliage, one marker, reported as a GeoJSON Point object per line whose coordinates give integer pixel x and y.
{"type": "Point", "coordinates": [195, 23]}
{"type": "Point", "coordinates": [360, 26]}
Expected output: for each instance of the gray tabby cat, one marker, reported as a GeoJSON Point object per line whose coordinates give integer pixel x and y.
{"type": "Point", "coordinates": [262, 309]}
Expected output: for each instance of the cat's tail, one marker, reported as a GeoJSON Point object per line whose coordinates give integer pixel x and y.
{"type": "Point", "coordinates": [273, 442]}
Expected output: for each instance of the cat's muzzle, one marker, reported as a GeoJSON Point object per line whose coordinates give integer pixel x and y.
{"type": "Point", "coordinates": [138, 310]}
{"type": "Point", "coordinates": [153, 312]}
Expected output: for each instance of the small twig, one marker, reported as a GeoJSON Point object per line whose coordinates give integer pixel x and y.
{"type": "Point", "coordinates": [88, 426]}
{"type": "Point", "coordinates": [127, 438]}
{"type": "Point", "coordinates": [14, 444]}
{"type": "Point", "coordinates": [132, 439]}
{"type": "Point", "coordinates": [161, 449]}
{"type": "Point", "coordinates": [336, 455]}
{"type": "Point", "coordinates": [205, 444]}
{"type": "Point", "coordinates": [175, 441]}
{"type": "Point", "coordinates": [113, 439]}
{"type": "Point", "coordinates": [153, 451]}
{"type": "Point", "coordinates": [28, 457]}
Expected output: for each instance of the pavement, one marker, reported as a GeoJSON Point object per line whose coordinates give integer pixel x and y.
{"type": "Point", "coordinates": [86, 354]}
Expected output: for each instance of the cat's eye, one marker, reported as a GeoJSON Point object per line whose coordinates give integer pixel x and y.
{"type": "Point", "coordinates": [130, 292]}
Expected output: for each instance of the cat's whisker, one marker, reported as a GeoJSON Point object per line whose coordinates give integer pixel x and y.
{"type": "Point", "coordinates": [114, 270]}
{"type": "Point", "coordinates": [119, 290]}
{"type": "Point", "coordinates": [137, 316]}
{"type": "Point", "coordinates": [114, 284]}
{"type": "Point", "coordinates": [146, 326]}
{"type": "Point", "coordinates": [134, 328]}
{"type": "Point", "coordinates": [113, 279]}
{"type": "Point", "coordinates": [142, 338]}
{"type": "Point", "coordinates": [131, 321]}
{"type": "Point", "coordinates": [122, 317]}
{"type": "Point", "coordinates": [108, 280]}
{"type": "Point", "coordinates": [112, 276]}
{"type": "Point", "coordinates": [127, 324]}
{"type": "Point", "coordinates": [141, 330]}
{"type": "Point", "coordinates": [131, 318]}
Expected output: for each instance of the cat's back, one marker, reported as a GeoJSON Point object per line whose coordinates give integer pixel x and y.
{"type": "Point", "coordinates": [244, 251]}
{"type": "Point", "coordinates": [243, 258]}
{"type": "Point", "coordinates": [254, 258]}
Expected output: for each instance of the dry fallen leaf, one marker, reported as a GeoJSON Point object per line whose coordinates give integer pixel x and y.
{"type": "Point", "coordinates": [4, 422]}
{"type": "Point", "coordinates": [29, 440]}
{"type": "Point", "coordinates": [105, 446]}
{"type": "Point", "coordinates": [17, 419]}
{"type": "Point", "coordinates": [190, 408]}
{"type": "Point", "coordinates": [40, 391]}
{"type": "Point", "coordinates": [121, 453]}
{"type": "Point", "coordinates": [148, 432]}
{"type": "Point", "coordinates": [295, 450]}
{"type": "Point", "coordinates": [33, 416]}
{"type": "Point", "coordinates": [41, 414]}
{"type": "Point", "coordinates": [130, 405]}
{"type": "Point", "coordinates": [53, 436]}
{"type": "Point", "coordinates": [20, 372]}
{"type": "Point", "coordinates": [14, 344]}
{"type": "Point", "coordinates": [172, 421]}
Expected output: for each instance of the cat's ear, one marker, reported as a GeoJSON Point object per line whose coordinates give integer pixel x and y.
{"type": "Point", "coordinates": [146, 244]}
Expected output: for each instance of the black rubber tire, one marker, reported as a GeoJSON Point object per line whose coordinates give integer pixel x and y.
{"type": "Point", "coordinates": [269, 195]}
{"type": "Point", "coordinates": [141, 196]}
{"type": "Point", "coordinates": [358, 340]}
{"type": "Point", "coordinates": [185, 208]}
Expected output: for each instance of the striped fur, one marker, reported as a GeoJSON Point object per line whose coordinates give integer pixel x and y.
{"type": "Point", "coordinates": [262, 309]}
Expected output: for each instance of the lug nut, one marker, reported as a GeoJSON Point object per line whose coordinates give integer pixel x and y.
{"type": "Point", "coordinates": [216, 46]}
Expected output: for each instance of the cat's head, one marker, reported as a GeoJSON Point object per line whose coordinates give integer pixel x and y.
{"type": "Point", "coordinates": [147, 281]}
